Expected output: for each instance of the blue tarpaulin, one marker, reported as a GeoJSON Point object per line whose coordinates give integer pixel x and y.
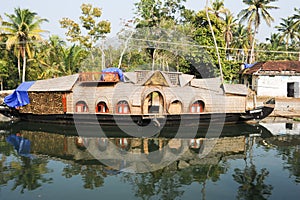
{"type": "Point", "coordinates": [21, 145]}
{"type": "Point", "coordinates": [249, 65]}
{"type": "Point", "coordinates": [117, 70]}
{"type": "Point", "coordinates": [20, 96]}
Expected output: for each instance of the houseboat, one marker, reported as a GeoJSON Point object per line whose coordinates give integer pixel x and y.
{"type": "Point", "coordinates": [142, 97]}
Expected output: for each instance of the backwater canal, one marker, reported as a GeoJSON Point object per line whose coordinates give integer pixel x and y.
{"type": "Point", "coordinates": [43, 161]}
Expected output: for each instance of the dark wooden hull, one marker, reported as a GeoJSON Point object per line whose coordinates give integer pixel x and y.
{"type": "Point", "coordinates": [141, 120]}
{"type": "Point", "coordinates": [150, 120]}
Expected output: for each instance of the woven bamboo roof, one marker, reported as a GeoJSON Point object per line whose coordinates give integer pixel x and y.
{"type": "Point", "coordinates": [55, 84]}
{"type": "Point", "coordinates": [212, 84]}
{"type": "Point", "coordinates": [131, 77]}
{"type": "Point", "coordinates": [273, 66]}
{"type": "Point", "coordinates": [239, 89]}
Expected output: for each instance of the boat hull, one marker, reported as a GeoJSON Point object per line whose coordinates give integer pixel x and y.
{"type": "Point", "coordinates": [195, 119]}
{"type": "Point", "coordinates": [140, 120]}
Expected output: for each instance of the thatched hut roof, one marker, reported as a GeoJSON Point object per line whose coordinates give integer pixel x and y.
{"type": "Point", "coordinates": [239, 89]}
{"type": "Point", "coordinates": [65, 83]}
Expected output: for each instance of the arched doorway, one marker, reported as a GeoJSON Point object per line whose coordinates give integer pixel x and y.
{"type": "Point", "coordinates": [154, 103]}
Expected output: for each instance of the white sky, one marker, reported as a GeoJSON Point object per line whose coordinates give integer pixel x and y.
{"type": "Point", "coordinates": [115, 10]}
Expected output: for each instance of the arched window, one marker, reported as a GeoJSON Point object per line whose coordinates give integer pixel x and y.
{"type": "Point", "coordinates": [81, 107]}
{"type": "Point", "coordinates": [123, 107]}
{"type": "Point", "coordinates": [197, 107]}
{"type": "Point", "coordinates": [175, 107]}
{"type": "Point", "coordinates": [102, 107]}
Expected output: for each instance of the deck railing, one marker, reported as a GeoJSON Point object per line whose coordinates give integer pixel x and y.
{"type": "Point", "coordinates": [99, 77]}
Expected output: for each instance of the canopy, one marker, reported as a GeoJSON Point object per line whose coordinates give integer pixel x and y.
{"type": "Point", "coordinates": [117, 70]}
{"type": "Point", "coordinates": [20, 96]}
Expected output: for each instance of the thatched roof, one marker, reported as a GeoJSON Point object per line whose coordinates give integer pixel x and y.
{"type": "Point", "coordinates": [55, 84]}
{"type": "Point", "coordinates": [156, 78]}
{"type": "Point", "coordinates": [130, 77]}
{"type": "Point", "coordinates": [273, 67]}
{"type": "Point", "coordinates": [239, 89]}
{"type": "Point", "coordinates": [212, 84]}
{"type": "Point", "coordinates": [185, 79]}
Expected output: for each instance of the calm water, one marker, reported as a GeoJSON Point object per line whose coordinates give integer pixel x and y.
{"type": "Point", "coordinates": [244, 162]}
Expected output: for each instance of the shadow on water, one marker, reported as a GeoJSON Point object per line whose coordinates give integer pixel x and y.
{"type": "Point", "coordinates": [115, 131]}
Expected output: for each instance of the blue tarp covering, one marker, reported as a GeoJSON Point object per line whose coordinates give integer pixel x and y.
{"type": "Point", "coordinates": [113, 69]}
{"type": "Point", "coordinates": [21, 145]}
{"type": "Point", "coordinates": [20, 96]}
{"type": "Point", "coordinates": [249, 65]}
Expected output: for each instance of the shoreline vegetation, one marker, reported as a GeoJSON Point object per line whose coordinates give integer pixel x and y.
{"type": "Point", "coordinates": [25, 55]}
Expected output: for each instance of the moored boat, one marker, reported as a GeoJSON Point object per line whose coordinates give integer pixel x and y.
{"type": "Point", "coordinates": [134, 98]}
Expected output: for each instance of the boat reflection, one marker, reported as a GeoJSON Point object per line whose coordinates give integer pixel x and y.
{"type": "Point", "coordinates": [131, 153]}
{"type": "Point", "coordinates": [168, 163]}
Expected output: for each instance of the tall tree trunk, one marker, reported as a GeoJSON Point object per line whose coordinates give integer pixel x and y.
{"type": "Point", "coordinates": [153, 59]}
{"type": "Point", "coordinates": [24, 65]}
{"type": "Point", "coordinates": [19, 67]}
{"type": "Point", "coordinates": [252, 46]}
{"type": "Point", "coordinates": [215, 42]}
{"type": "Point", "coordinates": [124, 50]}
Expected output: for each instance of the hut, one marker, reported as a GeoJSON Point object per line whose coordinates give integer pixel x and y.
{"type": "Point", "coordinates": [280, 77]}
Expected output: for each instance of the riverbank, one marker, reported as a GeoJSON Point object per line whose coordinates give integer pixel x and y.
{"type": "Point", "coordinates": [2, 95]}
{"type": "Point", "coordinates": [285, 108]}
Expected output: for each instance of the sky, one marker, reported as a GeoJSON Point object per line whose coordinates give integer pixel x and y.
{"type": "Point", "coordinates": [117, 10]}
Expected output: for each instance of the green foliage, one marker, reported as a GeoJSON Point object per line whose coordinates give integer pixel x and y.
{"type": "Point", "coordinates": [54, 57]}
{"type": "Point", "coordinates": [90, 30]}
{"type": "Point", "coordinates": [22, 29]}
{"type": "Point", "coordinates": [150, 13]}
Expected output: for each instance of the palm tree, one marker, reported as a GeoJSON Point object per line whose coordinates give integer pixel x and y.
{"type": "Point", "coordinates": [50, 56]}
{"type": "Point", "coordinates": [215, 42]}
{"type": "Point", "coordinates": [240, 41]}
{"type": "Point", "coordinates": [296, 25]}
{"type": "Point", "coordinates": [296, 18]}
{"type": "Point", "coordinates": [287, 32]}
{"type": "Point", "coordinates": [257, 9]}
{"type": "Point", "coordinates": [230, 23]}
{"type": "Point", "coordinates": [218, 8]}
{"type": "Point", "coordinates": [22, 28]}
{"type": "Point", "coordinates": [72, 59]}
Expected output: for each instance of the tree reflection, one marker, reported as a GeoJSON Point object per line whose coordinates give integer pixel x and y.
{"type": "Point", "coordinates": [251, 181]}
{"type": "Point", "coordinates": [168, 183]}
{"type": "Point", "coordinates": [288, 148]}
{"type": "Point", "coordinates": [293, 164]}
{"type": "Point", "coordinates": [291, 156]}
{"type": "Point", "coordinates": [25, 172]}
{"type": "Point", "coordinates": [92, 175]}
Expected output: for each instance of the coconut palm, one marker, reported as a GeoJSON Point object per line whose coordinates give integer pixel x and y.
{"type": "Point", "coordinates": [256, 10]}
{"type": "Point", "coordinates": [218, 8]}
{"type": "Point", "coordinates": [230, 23]}
{"type": "Point", "coordinates": [296, 18]}
{"type": "Point", "coordinates": [288, 33]}
{"type": "Point", "coordinates": [72, 59]}
{"type": "Point", "coordinates": [240, 41]}
{"type": "Point", "coordinates": [21, 29]}
{"type": "Point", "coordinates": [50, 56]}
{"type": "Point", "coordinates": [296, 25]}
